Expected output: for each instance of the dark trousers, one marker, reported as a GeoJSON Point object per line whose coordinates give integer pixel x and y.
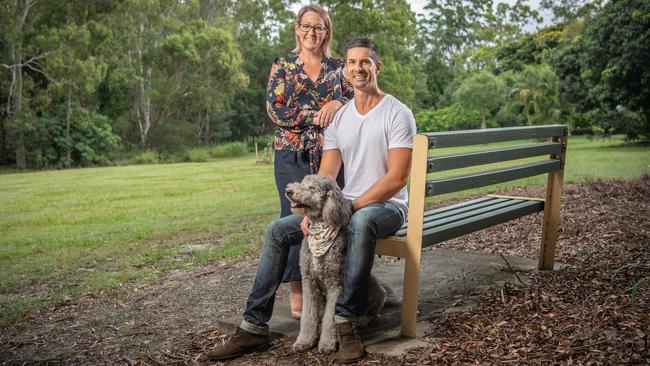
{"type": "Point", "coordinates": [292, 166]}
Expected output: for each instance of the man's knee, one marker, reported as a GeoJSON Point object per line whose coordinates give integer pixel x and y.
{"type": "Point", "coordinates": [282, 231]}
{"type": "Point", "coordinates": [276, 230]}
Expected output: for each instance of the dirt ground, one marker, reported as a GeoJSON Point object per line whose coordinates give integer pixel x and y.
{"type": "Point", "coordinates": [593, 311]}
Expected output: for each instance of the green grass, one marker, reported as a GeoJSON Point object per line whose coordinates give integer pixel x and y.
{"type": "Point", "coordinates": [67, 233]}
{"type": "Point", "coordinates": [71, 232]}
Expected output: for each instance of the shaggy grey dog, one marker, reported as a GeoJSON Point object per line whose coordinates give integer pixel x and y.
{"type": "Point", "coordinates": [321, 199]}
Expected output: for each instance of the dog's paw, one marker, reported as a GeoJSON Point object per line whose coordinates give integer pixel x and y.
{"type": "Point", "coordinates": [327, 345]}
{"type": "Point", "coordinates": [300, 346]}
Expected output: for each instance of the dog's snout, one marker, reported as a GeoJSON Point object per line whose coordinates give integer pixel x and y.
{"type": "Point", "coordinates": [289, 192]}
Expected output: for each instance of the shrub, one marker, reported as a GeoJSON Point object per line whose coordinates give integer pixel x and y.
{"type": "Point", "coordinates": [200, 155]}
{"type": "Point", "coordinates": [454, 117]}
{"type": "Point", "coordinates": [229, 150]}
{"type": "Point", "coordinates": [262, 142]}
{"type": "Point", "coordinates": [90, 142]}
{"type": "Point", "coordinates": [147, 157]}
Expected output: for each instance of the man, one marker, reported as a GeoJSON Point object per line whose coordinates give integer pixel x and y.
{"type": "Point", "coordinates": [372, 136]}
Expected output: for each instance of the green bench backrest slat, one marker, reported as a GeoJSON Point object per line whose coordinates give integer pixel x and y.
{"type": "Point", "coordinates": [489, 135]}
{"type": "Point", "coordinates": [457, 161]}
{"type": "Point", "coordinates": [475, 223]}
{"type": "Point", "coordinates": [462, 182]}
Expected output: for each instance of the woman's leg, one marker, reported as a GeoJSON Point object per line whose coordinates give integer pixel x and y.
{"type": "Point", "coordinates": [289, 167]}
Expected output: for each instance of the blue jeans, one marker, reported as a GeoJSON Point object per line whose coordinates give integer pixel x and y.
{"type": "Point", "coordinates": [367, 224]}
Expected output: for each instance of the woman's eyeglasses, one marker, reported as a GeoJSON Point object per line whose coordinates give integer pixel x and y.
{"type": "Point", "coordinates": [319, 29]}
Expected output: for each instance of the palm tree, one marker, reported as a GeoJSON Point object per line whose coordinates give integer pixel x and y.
{"type": "Point", "coordinates": [534, 94]}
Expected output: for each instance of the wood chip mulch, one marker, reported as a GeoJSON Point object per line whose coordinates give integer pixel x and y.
{"type": "Point", "coordinates": [593, 311]}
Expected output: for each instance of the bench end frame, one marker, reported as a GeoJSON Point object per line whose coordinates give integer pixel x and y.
{"type": "Point", "coordinates": [417, 195]}
{"type": "Point", "coordinates": [551, 220]}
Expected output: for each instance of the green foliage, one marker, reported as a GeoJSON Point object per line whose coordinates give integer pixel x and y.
{"type": "Point", "coordinates": [529, 49]}
{"type": "Point", "coordinates": [229, 150]}
{"type": "Point", "coordinates": [90, 142]}
{"type": "Point", "coordinates": [200, 155]}
{"type": "Point", "coordinates": [146, 157]}
{"type": "Point", "coordinates": [392, 26]}
{"type": "Point", "coordinates": [605, 69]}
{"type": "Point", "coordinates": [637, 287]}
{"type": "Point", "coordinates": [534, 95]}
{"type": "Point", "coordinates": [571, 10]}
{"type": "Point", "coordinates": [453, 29]}
{"type": "Point", "coordinates": [482, 92]}
{"type": "Point", "coordinates": [454, 117]}
{"type": "Point", "coordinates": [178, 75]}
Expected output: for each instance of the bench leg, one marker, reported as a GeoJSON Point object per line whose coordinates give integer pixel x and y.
{"type": "Point", "coordinates": [410, 295]}
{"type": "Point", "coordinates": [551, 215]}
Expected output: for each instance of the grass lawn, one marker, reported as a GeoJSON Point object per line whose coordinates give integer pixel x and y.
{"type": "Point", "coordinates": [67, 233]}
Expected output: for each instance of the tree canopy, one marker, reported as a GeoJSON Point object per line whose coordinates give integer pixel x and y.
{"type": "Point", "coordinates": [85, 81]}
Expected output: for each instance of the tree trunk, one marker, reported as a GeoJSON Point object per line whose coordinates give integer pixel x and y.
{"type": "Point", "coordinates": [68, 115]}
{"type": "Point", "coordinates": [527, 114]}
{"type": "Point", "coordinates": [3, 139]}
{"type": "Point", "coordinates": [144, 101]}
{"type": "Point", "coordinates": [483, 124]}
{"type": "Point", "coordinates": [21, 161]}
{"type": "Point", "coordinates": [15, 110]}
{"type": "Point", "coordinates": [207, 127]}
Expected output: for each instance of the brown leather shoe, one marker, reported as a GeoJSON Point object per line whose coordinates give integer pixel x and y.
{"type": "Point", "coordinates": [350, 344]}
{"type": "Point", "coordinates": [239, 343]}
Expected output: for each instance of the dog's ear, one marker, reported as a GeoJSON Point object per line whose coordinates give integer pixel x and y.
{"type": "Point", "coordinates": [336, 210]}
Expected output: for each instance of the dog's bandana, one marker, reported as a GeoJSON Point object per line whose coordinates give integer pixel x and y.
{"type": "Point", "coordinates": [321, 238]}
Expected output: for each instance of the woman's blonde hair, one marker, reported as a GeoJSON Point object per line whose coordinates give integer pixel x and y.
{"type": "Point", "coordinates": [326, 46]}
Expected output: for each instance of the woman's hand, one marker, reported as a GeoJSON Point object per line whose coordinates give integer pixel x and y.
{"type": "Point", "coordinates": [304, 225]}
{"type": "Point", "coordinates": [326, 113]}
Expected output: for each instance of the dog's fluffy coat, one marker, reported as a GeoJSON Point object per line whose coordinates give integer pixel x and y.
{"type": "Point", "coordinates": [321, 200]}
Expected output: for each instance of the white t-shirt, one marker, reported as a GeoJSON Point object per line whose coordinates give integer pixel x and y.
{"type": "Point", "coordinates": [364, 141]}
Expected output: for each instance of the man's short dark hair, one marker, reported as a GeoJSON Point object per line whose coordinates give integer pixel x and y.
{"type": "Point", "coordinates": [365, 43]}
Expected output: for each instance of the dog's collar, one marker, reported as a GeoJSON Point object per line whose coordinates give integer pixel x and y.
{"type": "Point", "coordinates": [321, 238]}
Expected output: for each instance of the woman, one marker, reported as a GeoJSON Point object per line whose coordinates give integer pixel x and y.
{"type": "Point", "coordinates": [304, 92]}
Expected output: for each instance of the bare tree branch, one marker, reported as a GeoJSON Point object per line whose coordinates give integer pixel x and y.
{"type": "Point", "coordinates": [26, 63]}
{"type": "Point", "coordinates": [40, 72]}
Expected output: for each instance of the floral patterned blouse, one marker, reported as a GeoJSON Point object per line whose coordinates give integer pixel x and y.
{"type": "Point", "coordinates": [293, 99]}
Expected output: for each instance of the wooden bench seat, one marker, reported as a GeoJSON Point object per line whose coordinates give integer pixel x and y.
{"type": "Point", "coordinates": [426, 228]}
{"type": "Point", "coordinates": [450, 222]}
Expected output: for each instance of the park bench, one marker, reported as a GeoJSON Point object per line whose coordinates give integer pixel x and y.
{"type": "Point", "coordinates": [426, 228]}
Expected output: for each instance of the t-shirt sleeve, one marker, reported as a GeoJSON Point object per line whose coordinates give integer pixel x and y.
{"type": "Point", "coordinates": [330, 134]}
{"type": "Point", "coordinates": [403, 129]}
